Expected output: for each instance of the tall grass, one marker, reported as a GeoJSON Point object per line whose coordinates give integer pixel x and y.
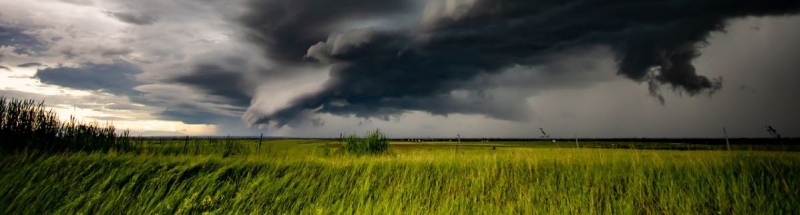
{"type": "Point", "coordinates": [28, 125]}
{"type": "Point", "coordinates": [503, 181]}
{"type": "Point", "coordinates": [373, 143]}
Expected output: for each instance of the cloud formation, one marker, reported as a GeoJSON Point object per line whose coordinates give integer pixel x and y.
{"type": "Point", "coordinates": [136, 19]}
{"type": "Point", "coordinates": [285, 29]}
{"type": "Point", "coordinates": [116, 78]}
{"type": "Point", "coordinates": [375, 73]}
{"type": "Point", "coordinates": [21, 42]}
{"type": "Point", "coordinates": [28, 65]}
{"type": "Point", "coordinates": [217, 81]}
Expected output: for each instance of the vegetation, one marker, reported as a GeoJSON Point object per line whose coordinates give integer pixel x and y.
{"type": "Point", "coordinates": [415, 180]}
{"type": "Point", "coordinates": [373, 143]}
{"type": "Point", "coordinates": [27, 125]}
{"type": "Point", "coordinates": [100, 172]}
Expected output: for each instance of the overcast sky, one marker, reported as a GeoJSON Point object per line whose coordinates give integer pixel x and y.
{"type": "Point", "coordinates": [412, 68]}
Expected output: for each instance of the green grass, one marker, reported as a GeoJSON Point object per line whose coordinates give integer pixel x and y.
{"type": "Point", "coordinates": [300, 177]}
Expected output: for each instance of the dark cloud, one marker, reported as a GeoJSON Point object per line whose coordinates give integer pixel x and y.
{"type": "Point", "coordinates": [223, 84]}
{"type": "Point", "coordinates": [375, 73]}
{"type": "Point", "coordinates": [132, 18]}
{"type": "Point", "coordinates": [23, 43]}
{"type": "Point", "coordinates": [4, 68]}
{"type": "Point", "coordinates": [224, 88]}
{"type": "Point", "coordinates": [285, 29]}
{"type": "Point", "coordinates": [28, 65]}
{"type": "Point", "coordinates": [116, 78]}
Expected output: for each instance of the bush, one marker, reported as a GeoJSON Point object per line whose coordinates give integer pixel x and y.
{"type": "Point", "coordinates": [374, 142]}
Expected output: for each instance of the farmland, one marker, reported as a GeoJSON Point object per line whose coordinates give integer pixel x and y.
{"type": "Point", "coordinates": [315, 177]}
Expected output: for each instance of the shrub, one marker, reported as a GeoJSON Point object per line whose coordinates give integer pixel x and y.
{"type": "Point", "coordinates": [374, 142]}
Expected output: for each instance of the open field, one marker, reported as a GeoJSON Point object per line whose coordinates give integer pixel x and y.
{"type": "Point", "coordinates": [313, 177]}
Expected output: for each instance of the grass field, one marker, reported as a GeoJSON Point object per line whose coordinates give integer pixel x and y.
{"type": "Point", "coordinates": [314, 177]}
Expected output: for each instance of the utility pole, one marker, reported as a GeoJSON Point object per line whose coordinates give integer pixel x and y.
{"type": "Point", "coordinates": [726, 138]}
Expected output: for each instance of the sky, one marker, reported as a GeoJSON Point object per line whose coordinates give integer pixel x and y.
{"type": "Point", "coordinates": [411, 68]}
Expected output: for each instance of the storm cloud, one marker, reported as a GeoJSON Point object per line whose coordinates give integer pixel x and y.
{"type": "Point", "coordinates": [377, 72]}
{"type": "Point", "coordinates": [116, 78]}
{"type": "Point", "coordinates": [217, 81]}
{"type": "Point", "coordinates": [286, 29]}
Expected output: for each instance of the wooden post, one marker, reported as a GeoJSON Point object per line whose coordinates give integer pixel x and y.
{"type": "Point", "coordinates": [185, 145]}
{"type": "Point", "coordinates": [258, 150]}
{"type": "Point", "coordinates": [228, 143]}
{"type": "Point", "coordinates": [726, 138]}
{"type": "Point", "coordinates": [576, 141]}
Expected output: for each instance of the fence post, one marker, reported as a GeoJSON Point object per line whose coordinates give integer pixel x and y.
{"type": "Point", "coordinates": [185, 145]}
{"type": "Point", "coordinates": [576, 141]}
{"type": "Point", "coordinates": [458, 147]}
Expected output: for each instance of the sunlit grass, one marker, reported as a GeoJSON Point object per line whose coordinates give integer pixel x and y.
{"type": "Point", "coordinates": [293, 178]}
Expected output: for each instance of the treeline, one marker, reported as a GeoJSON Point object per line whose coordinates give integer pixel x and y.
{"type": "Point", "coordinates": [26, 125]}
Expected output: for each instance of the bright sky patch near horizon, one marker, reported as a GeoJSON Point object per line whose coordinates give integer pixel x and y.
{"type": "Point", "coordinates": [412, 68]}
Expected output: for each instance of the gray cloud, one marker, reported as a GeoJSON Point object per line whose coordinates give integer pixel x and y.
{"type": "Point", "coordinates": [195, 115]}
{"type": "Point", "coordinates": [95, 101]}
{"type": "Point", "coordinates": [187, 104]}
{"type": "Point", "coordinates": [217, 81]}
{"type": "Point", "coordinates": [4, 68]}
{"type": "Point", "coordinates": [22, 42]}
{"type": "Point", "coordinates": [378, 73]}
{"type": "Point", "coordinates": [134, 18]}
{"type": "Point", "coordinates": [116, 78]}
{"type": "Point", "coordinates": [28, 65]}
{"type": "Point", "coordinates": [79, 2]}
{"type": "Point", "coordinates": [114, 51]}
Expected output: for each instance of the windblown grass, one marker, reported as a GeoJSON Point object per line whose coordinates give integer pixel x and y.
{"type": "Point", "coordinates": [503, 181]}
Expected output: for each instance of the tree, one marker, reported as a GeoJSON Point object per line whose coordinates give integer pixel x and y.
{"type": "Point", "coordinates": [773, 132]}
{"type": "Point", "coordinates": [544, 134]}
